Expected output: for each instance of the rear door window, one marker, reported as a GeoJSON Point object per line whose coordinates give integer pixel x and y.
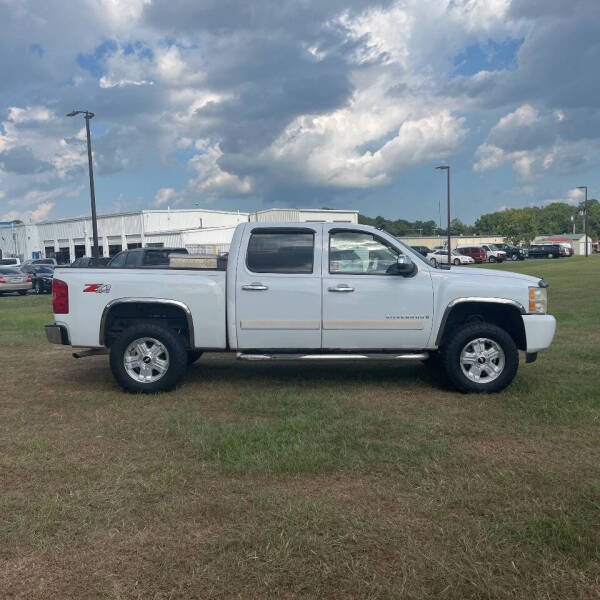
{"type": "Point", "coordinates": [281, 251]}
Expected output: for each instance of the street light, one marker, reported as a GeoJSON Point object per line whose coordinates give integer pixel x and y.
{"type": "Point", "coordinates": [584, 187]}
{"type": "Point", "coordinates": [87, 115]}
{"type": "Point", "coordinates": [447, 169]}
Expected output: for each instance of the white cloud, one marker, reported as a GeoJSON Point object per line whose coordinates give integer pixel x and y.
{"type": "Point", "coordinates": [40, 213]}
{"type": "Point", "coordinates": [211, 179]}
{"type": "Point", "coordinates": [164, 196]}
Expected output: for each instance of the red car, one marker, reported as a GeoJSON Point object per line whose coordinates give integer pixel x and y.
{"type": "Point", "coordinates": [475, 252]}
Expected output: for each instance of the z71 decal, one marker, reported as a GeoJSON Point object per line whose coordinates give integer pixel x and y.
{"type": "Point", "coordinates": [99, 288]}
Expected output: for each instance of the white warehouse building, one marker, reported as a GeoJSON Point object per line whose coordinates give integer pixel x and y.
{"type": "Point", "coordinates": [198, 230]}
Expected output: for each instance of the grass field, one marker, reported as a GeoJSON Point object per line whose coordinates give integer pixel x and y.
{"type": "Point", "coordinates": [258, 480]}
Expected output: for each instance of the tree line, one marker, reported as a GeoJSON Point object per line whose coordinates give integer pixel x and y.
{"type": "Point", "coordinates": [517, 225]}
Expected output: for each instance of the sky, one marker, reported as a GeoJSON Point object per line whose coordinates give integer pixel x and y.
{"type": "Point", "coordinates": [348, 104]}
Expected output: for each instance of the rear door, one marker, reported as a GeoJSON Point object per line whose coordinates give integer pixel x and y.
{"type": "Point", "coordinates": [278, 288]}
{"type": "Point", "coordinates": [365, 307]}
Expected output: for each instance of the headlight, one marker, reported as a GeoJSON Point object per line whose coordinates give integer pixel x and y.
{"type": "Point", "coordinates": [538, 300]}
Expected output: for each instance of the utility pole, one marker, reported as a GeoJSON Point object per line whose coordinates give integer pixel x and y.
{"type": "Point", "coordinates": [87, 115]}
{"type": "Point", "coordinates": [447, 169]}
{"type": "Point", "coordinates": [585, 231]}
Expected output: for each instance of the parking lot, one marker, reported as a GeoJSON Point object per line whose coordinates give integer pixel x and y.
{"type": "Point", "coordinates": [302, 480]}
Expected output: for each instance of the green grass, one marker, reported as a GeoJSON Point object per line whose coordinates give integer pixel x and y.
{"type": "Point", "coordinates": [257, 480]}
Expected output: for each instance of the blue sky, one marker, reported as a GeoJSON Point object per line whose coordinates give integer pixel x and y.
{"type": "Point", "coordinates": [346, 104]}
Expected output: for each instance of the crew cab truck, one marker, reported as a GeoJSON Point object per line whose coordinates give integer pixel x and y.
{"type": "Point", "coordinates": [321, 291]}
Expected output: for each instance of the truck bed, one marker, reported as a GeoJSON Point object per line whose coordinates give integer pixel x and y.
{"type": "Point", "coordinates": [92, 291]}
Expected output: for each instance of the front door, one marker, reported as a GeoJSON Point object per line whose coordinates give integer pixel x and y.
{"type": "Point", "coordinates": [278, 288]}
{"type": "Point", "coordinates": [364, 305]}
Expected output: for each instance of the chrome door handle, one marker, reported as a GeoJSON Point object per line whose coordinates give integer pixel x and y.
{"type": "Point", "coordinates": [255, 287]}
{"type": "Point", "coordinates": [341, 288]}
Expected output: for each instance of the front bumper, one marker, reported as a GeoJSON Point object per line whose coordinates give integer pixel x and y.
{"type": "Point", "coordinates": [539, 331]}
{"type": "Point", "coordinates": [57, 334]}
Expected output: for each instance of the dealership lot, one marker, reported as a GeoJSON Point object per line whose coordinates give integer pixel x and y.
{"type": "Point", "coordinates": [261, 480]}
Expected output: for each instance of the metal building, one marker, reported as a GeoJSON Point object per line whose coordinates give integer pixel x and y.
{"type": "Point", "coordinates": [199, 230]}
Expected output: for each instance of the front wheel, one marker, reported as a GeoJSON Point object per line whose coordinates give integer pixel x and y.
{"type": "Point", "coordinates": [457, 261]}
{"type": "Point", "coordinates": [480, 358]}
{"type": "Point", "coordinates": [550, 255]}
{"type": "Point", "coordinates": [434, 262]}
{"type": "Point", "coordinates": [148, 358]}
{"type": "Point", "coordinates": [514, 257]}
{"type": "Point", "coordinates": [492, 259]}
{"type": "Point", "coordinates": [22, 292]}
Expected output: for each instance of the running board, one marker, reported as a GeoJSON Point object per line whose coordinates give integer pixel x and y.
{"type": "Point", "coordinates": [90, 352]}
{"type": "Point", "coordinates": [373, 356]}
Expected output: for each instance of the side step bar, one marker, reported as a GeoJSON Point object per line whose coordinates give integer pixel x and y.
{"type": "Point", "coordinates": [412, 356]}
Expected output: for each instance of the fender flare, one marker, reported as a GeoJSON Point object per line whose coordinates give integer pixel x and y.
{"type": "Point", "coordinates": [474, 299]}
{"type": "Point", "coordinates": [132, 300]}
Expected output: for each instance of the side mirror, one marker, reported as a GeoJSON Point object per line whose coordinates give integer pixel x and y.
{"type": "Point", "coordinates": [404, 266]}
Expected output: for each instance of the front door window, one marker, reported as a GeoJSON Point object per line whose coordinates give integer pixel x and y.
{"type": "Point", "coordinates": [360, 253]}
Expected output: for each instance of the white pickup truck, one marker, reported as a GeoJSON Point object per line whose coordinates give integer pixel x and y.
{"type": "Point", "coordinates": [317, 291]}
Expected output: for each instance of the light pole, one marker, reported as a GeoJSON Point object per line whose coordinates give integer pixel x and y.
{"type": "Point", "coordinates": [584, 187]}
{"type": "Point", "coordinates": [87, 115]}
{"type": "Point", "coordinates": [447, 169]}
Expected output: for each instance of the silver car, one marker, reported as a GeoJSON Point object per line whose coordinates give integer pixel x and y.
{"type": "Point", "coordinates": [13, 280]}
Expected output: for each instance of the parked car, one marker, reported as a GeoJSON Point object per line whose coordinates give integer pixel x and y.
{"type": "Point", "coordinates": [41, 277]}
{"type": "Point", "coordinates": [89, 262]}
{"type": "Point", "coordinates": [477, 253]}
{"type": "Point", "coordinates": [41, 261]}
{"type": "Point", "coordinates": [493, 253]}
{"type": "Point", "coordinates": [441, 257]}
{"type": "Point", "coordinates": [10, 262]}
{"type": "Point", "coordinates": [281, 297]}
{"type": "Point", "coordinates": [513, 252]}
{"type": "Point", "coordinates": [144, 257]}
{"type": "Point", "coordinates": [12, 280]}
{"type": "Point", "coordinates": [424, 250]}
{"type": "Point", "coordinates": [546, 251]}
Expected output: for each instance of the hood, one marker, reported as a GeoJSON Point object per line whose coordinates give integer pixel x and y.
{"type": "Point", "coordinates": [493, 273]}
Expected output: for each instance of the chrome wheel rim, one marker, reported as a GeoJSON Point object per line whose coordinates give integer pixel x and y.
{"type": "Point", "coordinates": [482, 360]}
{"type": "Point", "coordinates": [146, 360]}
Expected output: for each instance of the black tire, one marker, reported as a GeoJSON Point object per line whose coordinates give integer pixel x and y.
{"type": "Point", "coordinates": [457, 262]}
{"type": "Point", "coordinates": [550, 255]}
{"type": "Point", "coordinates": [433, 262]}
{"type": "Point", "coordinates": [178, 358]}
{"type": "Point", "coordinates": [492, 259]}
{"type": "Point", "coordinates": [514, 257]}
{"type": "Point", "coordinates": [193, 356]}
{"type": "Point", "coordinates": [21, 292]}
{"type": "Point", "coordinates": [451, 352]}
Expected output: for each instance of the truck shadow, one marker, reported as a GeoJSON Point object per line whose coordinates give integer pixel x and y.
{"type": "Point", "coordinates": [214, 369]}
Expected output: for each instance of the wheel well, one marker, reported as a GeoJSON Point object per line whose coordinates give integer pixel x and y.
{"type": "Point", "coordinates": [121, 316]}
{"type": "Point", "coordinates": [505, 316]}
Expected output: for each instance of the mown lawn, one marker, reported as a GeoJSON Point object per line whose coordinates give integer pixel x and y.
{"type": "Point", "coordinates": [306, 481]}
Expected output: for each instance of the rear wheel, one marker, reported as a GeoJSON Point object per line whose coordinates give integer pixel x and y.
{"type": "Point", "coordinates": [148, 358]}
{"type": "Point", "coordinates": [434, 262]}
{"type": "Point", "coordinates": [480, 358]}
{"type": "Point", "coordinates": [22, 292]}
{"type": "Point", "coordinates": [514, 257]}
{"type": "Point", "coordinates": [457, 261]}
{"type": "Point", "coordinates": [550, 255]}
{"type": "Point", "coordinates": [492, 259]}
